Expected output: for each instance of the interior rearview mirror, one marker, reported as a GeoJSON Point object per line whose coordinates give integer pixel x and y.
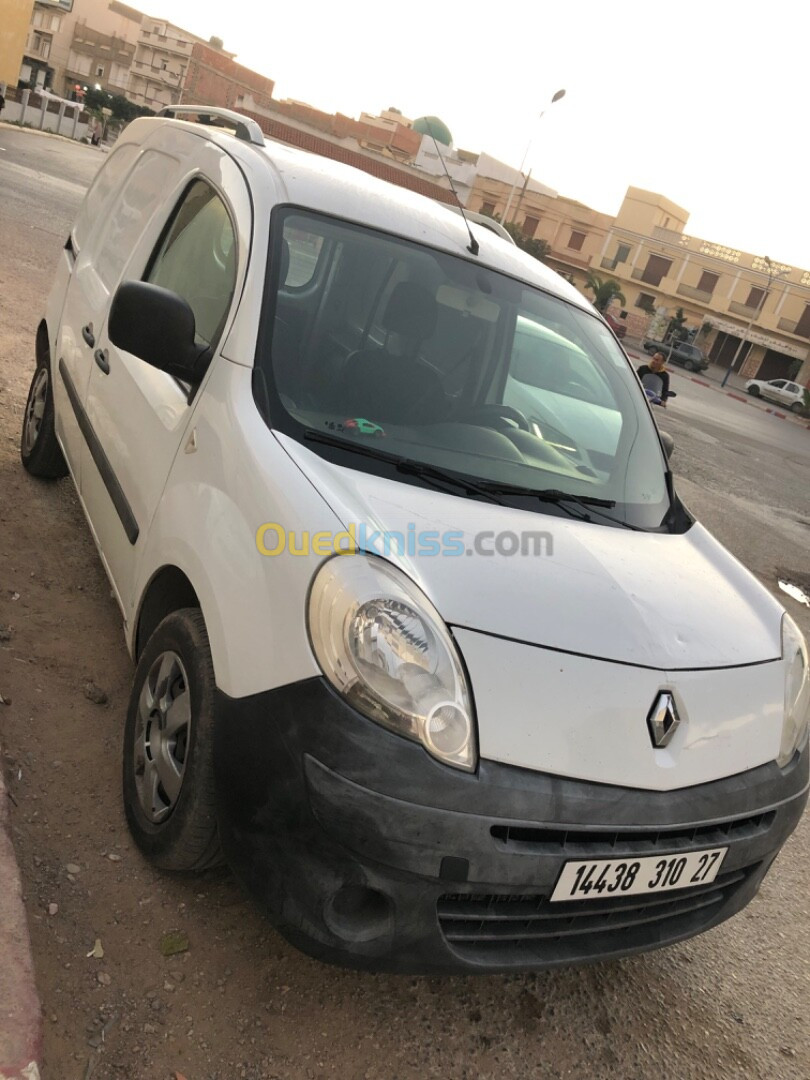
{"type": "Point", "coordinates": [157, 326]}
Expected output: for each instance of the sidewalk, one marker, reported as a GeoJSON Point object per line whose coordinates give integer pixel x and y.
{"type": "Point", "coordinates": [20, 1013]}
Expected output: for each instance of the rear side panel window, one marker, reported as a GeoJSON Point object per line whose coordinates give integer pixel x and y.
{"type": "Point", "coordinates": [106, 182]}
{"type": "Point", "coordinates": [142, 194]}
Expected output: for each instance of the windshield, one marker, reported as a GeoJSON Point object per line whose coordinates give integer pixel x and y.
{"type": "Point", "coordinates": [407, 351]}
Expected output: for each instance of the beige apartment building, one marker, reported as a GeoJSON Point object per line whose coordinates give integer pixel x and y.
{"type": "Point", "coordinates": [661, 268]}
{"type": "Point", "coordinates": [14, 26]}
{"type": "Point", "coordinates": [79, 43]}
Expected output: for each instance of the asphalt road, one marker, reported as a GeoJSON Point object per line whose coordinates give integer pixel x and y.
{"type": "Point", "coordinates": [240, 1003]}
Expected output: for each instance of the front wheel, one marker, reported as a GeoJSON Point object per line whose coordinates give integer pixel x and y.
{"type": "Point", "coordinates": [168, 776]}
{"type": "Point", "coordinates": [39, 448]}
{"type": "Point", "coordinates": [753, 391]}
{"type": "Point", "coordinates": [689, 365]}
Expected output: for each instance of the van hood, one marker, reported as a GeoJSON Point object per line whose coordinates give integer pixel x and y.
{"type": "Point", "coordinates": [669, 602]}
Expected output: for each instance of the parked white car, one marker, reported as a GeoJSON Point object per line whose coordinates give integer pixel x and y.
{"type": "Point", "coordinates": [427, 646]}
{"type": "Point", "coordinates": [787, 393]}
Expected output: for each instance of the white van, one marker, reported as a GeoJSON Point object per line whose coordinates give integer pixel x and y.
{"type": "Point", "coordinates": [427, 646]}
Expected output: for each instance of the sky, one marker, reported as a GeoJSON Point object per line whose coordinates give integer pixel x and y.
{"type": "Point", "coordinates": [703, 102]}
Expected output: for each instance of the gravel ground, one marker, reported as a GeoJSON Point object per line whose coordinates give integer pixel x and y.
{"type": "Point", "coordinates": [236, 1001]}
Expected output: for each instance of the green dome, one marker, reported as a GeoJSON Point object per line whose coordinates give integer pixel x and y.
{"type": "Point", "coordinates": [432, 125]}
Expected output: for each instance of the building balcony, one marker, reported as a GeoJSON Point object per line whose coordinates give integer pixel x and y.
{"type": "Point", "coordinates": [156, 74]}
{"type": "Point", "coordinates": [743, 309]}
{"type": "Point", "coordinates": [694, 294]}
{"type": "Point", "coordinates": [670, 236]}
{"type": "Point", "coordinates": [654, 283]}
{"type": "Point", "coordinates": [166, 44]}
{"type": "Point", "coordinates": [791, 326]}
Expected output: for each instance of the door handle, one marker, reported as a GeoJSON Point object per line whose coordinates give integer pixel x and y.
{"type": "Point", "coordinates": [88, 335]}
{"type": "Point", "coordinates": [100, 356]}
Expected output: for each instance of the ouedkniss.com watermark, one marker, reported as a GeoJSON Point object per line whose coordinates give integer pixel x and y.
{"type": "Point", "coordinates": [273, 539]}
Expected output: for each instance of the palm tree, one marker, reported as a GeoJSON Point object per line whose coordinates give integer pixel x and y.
{"type": "Point", "coordinates": [604, 290]}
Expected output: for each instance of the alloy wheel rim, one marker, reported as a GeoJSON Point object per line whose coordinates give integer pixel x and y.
{"type": "Point", "coordinates": [35, 410]}
{"type": "Point", "coordinates": [162, 733]}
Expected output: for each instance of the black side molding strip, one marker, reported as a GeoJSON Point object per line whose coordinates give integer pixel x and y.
{"type": "Point", "coordinates": [116, 492]}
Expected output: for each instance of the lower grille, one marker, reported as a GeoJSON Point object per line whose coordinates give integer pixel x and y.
{"type": "Point", "coordinates": [601, 843]}
{"type": "Point", "coordinates": [497, 927]}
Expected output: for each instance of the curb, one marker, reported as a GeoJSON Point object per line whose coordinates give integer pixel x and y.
{"type": "Point", "coordinates": [20, 1011]}
{"type": "Point", "coordinates": [732, 395]}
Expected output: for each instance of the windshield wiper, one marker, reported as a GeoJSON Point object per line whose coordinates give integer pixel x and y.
{"type": "Point", "coordinates": [485, 489]}
{"type": "Point", "coordinates": [431, 472]}
{"type": "Point", "coordinates": [408, 466]}
{"type": "Point", "coordinates": [559, 498]}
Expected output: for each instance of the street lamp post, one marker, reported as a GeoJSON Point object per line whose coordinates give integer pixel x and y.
{"type": "Point", "coordinates": [773, 275]}
{"type": "Point", "coordinates": [557, 96]}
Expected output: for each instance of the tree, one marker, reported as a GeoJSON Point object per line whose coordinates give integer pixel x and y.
{"type": "Point", "coordinates": [216, 43]}
{"type": "Point", "coordinates": [677, 326]}
{"type": "Point", "coordinates": [532, 245]}
{"type": "Point", "coordinates": [604, 290]}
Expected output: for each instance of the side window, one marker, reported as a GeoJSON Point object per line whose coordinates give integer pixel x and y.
{"type": "Point", "coordinates": [196, 258]}
{"type": "Point", "coordinates": [304, 248]}
{"type": "Point", "coordinates": [107, 179]}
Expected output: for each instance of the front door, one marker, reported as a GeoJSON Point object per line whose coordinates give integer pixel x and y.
{"type": "Point", "coordinates": [139, 414]}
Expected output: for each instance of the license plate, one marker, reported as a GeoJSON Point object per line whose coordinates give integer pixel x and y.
{"type": "Point", "coordinates": [595, 878]}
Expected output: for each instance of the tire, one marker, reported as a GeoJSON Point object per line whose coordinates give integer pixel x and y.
{"type": "Point", "coordinates": [753, 391]}
{"type": "Point", "coordinates": [796, 407]}
{"type": "Point", "coordinates": [168, 775]}
{"type": "Point", "coordinates": [689, 365]}
{"type": "Point", "coordinates": [40, 452]}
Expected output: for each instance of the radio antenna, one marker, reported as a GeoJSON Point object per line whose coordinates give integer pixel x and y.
{"type": "Point", "coordinates": [472, 247]}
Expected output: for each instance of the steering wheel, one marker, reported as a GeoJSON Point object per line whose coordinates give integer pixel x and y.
{"type": "Point", "coordinates": [497, 410]}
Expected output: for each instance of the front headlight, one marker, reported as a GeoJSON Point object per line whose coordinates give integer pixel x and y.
{"type": "Point", "coordinates": [797, 690]}
{"type": "Point", "coordinates": [382, 644]}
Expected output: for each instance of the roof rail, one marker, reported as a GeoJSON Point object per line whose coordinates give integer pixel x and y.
{"type": "Point", "coordinates": [484, 220]}
{"type": "Point", "coordinates": [244, 128]}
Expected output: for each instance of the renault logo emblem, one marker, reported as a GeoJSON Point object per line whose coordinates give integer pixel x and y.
{"type": "Point", "coordinates": [663, 720]}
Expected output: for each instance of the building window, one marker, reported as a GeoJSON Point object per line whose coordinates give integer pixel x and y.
{"type": "Point", "coordinates": [707, 282]}
{"type": "Point", "coordinates": [657, 268]}
{"type": "Point", "coordinates": [622, 254]}
{"type": "Point", "coordinates": [41, 46]}
{"type": "Point", "coordinates": [756, 297]}
{"type": "Point", "coordinates": [530, 226]}
{"type": "Point", "coordinates": [100, 71]}
{"type": "Point", "coordinates": [646, 302]}
{"type": "Point", "coordinates": [577, 240]}
{"type": "Point", "coordinates": [803, 325]}
{"type": "Point", "coordinates": [488, 208]}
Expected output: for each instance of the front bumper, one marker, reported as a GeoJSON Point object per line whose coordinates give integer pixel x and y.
{"type": "Point", "coordinates": [368, 853]}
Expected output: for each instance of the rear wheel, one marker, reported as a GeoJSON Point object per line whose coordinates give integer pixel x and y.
{"type": "Point", "coordinates": [796, 407]}
{"type": "Point", "coordinates": [689, 365]}
{"type": "Point", "coordinates": [753, 391]}
{"type": "Point", "coordinates": [168, 776]}
{"type": "Point", "coordinates": [39, 449]}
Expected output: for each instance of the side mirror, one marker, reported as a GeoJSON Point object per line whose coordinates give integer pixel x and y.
{"type": "Point", "coordinates": [157, 326]}
{"type": "Point", "coordinates": [668, 443]}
